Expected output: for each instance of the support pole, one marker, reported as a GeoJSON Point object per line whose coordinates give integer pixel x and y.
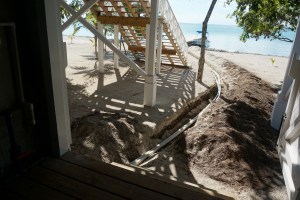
{"type": "Point", "coordinates": [100, 50]}
{"type": "Point", "coordinates": [147, 47]}
{"type": "Point", "coordinates": [150, 78]}
{"type": "Point", "coordinates": [159, 47]}
{"type": "Point", "coordinates": [58, 78]}
{"type": "Point", "coordinates": [116, 42]}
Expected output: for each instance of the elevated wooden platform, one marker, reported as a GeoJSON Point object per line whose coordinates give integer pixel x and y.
{"type": "Point", "coordinates": [133, 16]}
{"type": "Point", "coordinates": [75, 177]}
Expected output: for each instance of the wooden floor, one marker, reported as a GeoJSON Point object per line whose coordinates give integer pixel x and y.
{"type": "Point", "coordinates": [75, 177]}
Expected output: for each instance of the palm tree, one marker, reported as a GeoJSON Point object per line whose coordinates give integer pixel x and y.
{"type": "Point", "coordinates": [203, 41]}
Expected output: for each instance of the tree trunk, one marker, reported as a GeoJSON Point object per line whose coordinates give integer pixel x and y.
{"type": "Point", "coordinates": [96, 46]}
{"type": "Point", "coordinates": [203, 41]}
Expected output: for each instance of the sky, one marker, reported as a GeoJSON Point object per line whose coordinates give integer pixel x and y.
{"type": "Point", "coordinates": [194, 11]}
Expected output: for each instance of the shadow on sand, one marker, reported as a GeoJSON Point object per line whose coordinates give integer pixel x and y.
{"type": "Point", "coordinates": [176, 86]}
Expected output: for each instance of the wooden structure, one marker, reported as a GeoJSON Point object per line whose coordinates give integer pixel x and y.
{"type": "Point", "coordinates": [286, 118]}
{"type": "Point", "coordinates": [75, 177]}
{"type": "Point", "coordinates": [133, 15]}
{"type": "Point", "coordinates": [69, 177]}
{"type": "Point", "coordinates": [142, 25]}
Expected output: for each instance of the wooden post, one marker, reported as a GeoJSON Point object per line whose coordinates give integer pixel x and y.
{"type": "Point", "coordinates": [101, 37]}
{"type": "Point", "coordinates": [150, 78]}
{"type": "Point", "coordinates": [147, 46]}
{"type": "Point", "coordinates": [58, 75]}
{"type": "Point", "coordinates": [100, 50]}
{"type": "Point", "coordinates": [159, 47]}
{"type": "Point", "coordinates": [116, 42]}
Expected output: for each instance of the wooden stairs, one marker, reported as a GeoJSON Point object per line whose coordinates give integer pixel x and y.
{"type": "Point", "coordinates": [132, 16]}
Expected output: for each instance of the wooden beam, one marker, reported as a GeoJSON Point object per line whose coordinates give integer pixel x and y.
{"type": "Point", "coordinates": [100, 68]}
{"type": "Point", "coordinates": [82, 10]}
{"type": "Point", "coordinates": [116, 42]}
{"type": "Point", "coordinates": [150, 85]}
{"type": "Point", "coordinates": [124, 21]}
{"type": "Point", "coordinates": [159, 47]}
{"type": "Point", "coordinates": [142, 49]}
{"type": "Point", "coordinates": [100, 36]}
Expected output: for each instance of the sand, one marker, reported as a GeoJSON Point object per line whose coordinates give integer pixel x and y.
{"type": "Point", "coordinates": [113, 102]}
{"type": "Point", "coordinates": [231, 147]}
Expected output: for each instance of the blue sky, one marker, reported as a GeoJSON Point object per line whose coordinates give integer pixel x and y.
{"type": "Point", "coordinates": [194, 11]}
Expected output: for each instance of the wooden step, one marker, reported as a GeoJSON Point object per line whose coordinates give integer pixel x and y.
{"type": "Point", "coordinates": [134, 32]}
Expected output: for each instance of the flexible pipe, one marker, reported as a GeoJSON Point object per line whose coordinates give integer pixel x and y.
{"type": "Point", "coordinates": [159, 146]}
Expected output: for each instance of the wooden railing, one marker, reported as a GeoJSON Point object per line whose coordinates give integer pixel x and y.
{"type": "Point", "coordinates": [168, 17]}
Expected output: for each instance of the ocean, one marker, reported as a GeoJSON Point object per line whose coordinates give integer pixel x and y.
{"type": "Point", "coordinates": [226, 37]}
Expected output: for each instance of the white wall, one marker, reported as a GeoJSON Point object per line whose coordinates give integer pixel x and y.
{"type": "Point", "coordinates": [281, 101]}
{"type": "Point", "coordinates": [289, 142]}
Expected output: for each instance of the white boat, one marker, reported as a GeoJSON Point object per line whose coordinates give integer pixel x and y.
{"type": "Point", "coordinates": [197, 42]}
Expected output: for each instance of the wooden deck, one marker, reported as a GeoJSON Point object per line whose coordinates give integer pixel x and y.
{"type": "Point", "coordinates": [75, 177]}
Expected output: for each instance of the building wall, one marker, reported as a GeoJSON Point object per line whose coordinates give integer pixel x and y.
{"type": "Point", "coordinates": [31, 34]}
{"type": "Point", "coordinates": [289, 141]}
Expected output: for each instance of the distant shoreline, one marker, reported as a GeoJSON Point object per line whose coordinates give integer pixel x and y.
{"type": "Point", "coordinates": [209, 49]}
{"type": "Point", "coordinates": [221, 50]}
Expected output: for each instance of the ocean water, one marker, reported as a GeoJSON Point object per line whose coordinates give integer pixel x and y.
{"type": "Point", "coordinates": [226, 37]}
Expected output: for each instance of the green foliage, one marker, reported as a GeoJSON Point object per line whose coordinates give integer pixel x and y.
{"type": "Point", "coordinates": [76, 28]}
{"type": "Point", "coordinates": [273, 61]}
{"type": "Point", "coordinates": [75, 4]}
{"type": "Point", "coordinates": [89, 16]}
{"type": "Point", "coordinates": [266, 18]}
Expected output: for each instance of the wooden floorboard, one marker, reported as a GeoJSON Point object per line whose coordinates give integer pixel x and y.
{"type": "Point", "coordinates": [7, 195]}
{"type": "Point", "coordinates": [108, 183]}
{"type": "Point", "coordinates": [68, 185]}
{"type": "Point", "coordinates": [76, 177]}
{"type": "Point", "coordinates": [35, 191]}
{"type": "Point", "coordinates": [146, 179]}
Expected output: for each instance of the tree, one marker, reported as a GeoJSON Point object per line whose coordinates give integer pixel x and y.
{"type": "Point", "coordinates": [90, 17]}
{"type": "Point", "coordinates": [203, 41]}
{"type": "Point", "coordinates": [266, 18]}
{"type": "Point", "coordinates": [76, 28]}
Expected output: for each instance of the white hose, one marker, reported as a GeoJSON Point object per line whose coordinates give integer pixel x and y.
{"type": "Point", "coordinates": [151, 152]}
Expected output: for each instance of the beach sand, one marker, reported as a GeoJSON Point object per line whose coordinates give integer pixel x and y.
{"type": "Point", "coordinates": [114, 101]}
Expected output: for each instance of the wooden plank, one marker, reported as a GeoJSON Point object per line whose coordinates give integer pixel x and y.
{"type": "Point", "coordinates": [7, 195]}
{"type": "Point", "coordinates": [105, 182]}
{"type": "Point", "coordinates": [148, 179]}
{"type": "Point", "coordinates": [34, 191]}
{"type": "Point", "coordinates": [131, 8]}
{"type": "Point", "coordinates": [68, 185]}
{"type": "Point", "coordinates": [295, 66]}
{"type": "Point", "coordinates": [124, 21]}
{"type": "Point", "coordinates": [293, 132]}
{"type": "Point", "coordinates": [142, 49]}
{"type": "Point", "coordinates": [133, 34]}
{"type": "Point", "coordinates": [145, 6]}
{"type": "Point", "coordinates": [82, 10]}
{"type": "Point", "coordinates": [107, 42]}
